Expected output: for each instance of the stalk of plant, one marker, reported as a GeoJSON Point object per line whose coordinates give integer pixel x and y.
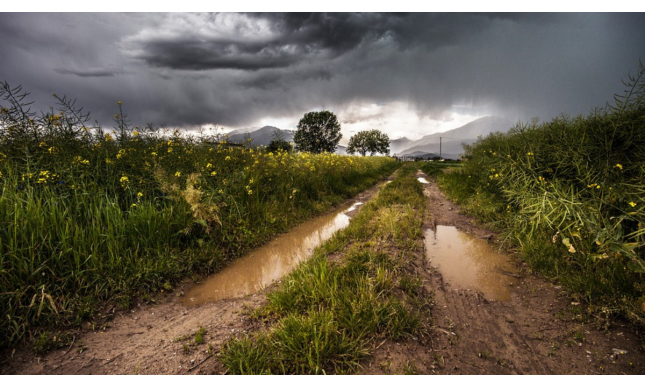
{"type": "Point", "coordinates": [571, 194]}
{"type": "Point", "coordinates": [88, 216]}
{"type": "Point", "coordinates": [328, 314]}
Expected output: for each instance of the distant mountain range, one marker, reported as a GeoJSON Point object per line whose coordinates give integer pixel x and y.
{"type": "Point", "coordinates": [426, 147]}
{"type": "Point", "coordinates": [451, 140]}
{"type": "Point", "coordinates": [262, 136]}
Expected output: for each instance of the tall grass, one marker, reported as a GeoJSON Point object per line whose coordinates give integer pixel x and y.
{"type": "Point", "coordinates": [329, 314]}
{"type": "Point", "coordinates": [88, 215]}
{"type": "Point", "coordinates": [571, 193]}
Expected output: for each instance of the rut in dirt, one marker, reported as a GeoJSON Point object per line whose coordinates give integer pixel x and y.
{"type": "Point", "coordinates": [526, 328]}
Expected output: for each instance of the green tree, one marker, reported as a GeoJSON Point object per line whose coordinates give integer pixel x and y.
{"type": "Point", "coordinates": [318, 132]}
{"type": "Point", "coordinates": [372, 141]}
{"type": "Point", "coordinates": [279, 143]}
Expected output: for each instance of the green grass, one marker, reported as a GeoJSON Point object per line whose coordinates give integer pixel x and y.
{"type": "Point", "coordinates": [88, 216]}
{"type": "Point", "coordinates": [570, 195]}
{"type": "Point", "coordinates": [328, 313]}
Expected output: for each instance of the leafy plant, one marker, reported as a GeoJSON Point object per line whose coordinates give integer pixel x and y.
{"type": "Point", "coordinates": [369, 141]}
{"type": "Point", "coordinates": [318, 132]}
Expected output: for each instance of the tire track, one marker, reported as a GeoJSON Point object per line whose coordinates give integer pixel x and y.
{"type": "Point", "coordinates": [529, 334]}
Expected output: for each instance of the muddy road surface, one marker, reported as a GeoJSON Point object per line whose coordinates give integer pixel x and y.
{"type": "Point", "coordinates": [521, 324]}
{"type": "Point", "coordinates": [532, 327]}
{"type": "Point", "coordinates": [162, 337]}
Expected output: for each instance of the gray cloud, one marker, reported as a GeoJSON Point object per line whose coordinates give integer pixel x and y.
{"type": "Point", "coordinates": [236, 69]}
{"type": "Point", "coordinates": [91, 72]}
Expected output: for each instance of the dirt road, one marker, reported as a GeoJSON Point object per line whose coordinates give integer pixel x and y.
{"type": "Point", "coordinates": [539, 330]}
{"type": "Point", "coordinates": [155, 338]}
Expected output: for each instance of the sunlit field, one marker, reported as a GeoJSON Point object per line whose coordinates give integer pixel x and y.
{"type": "Point", "coordinates": [89, 215]}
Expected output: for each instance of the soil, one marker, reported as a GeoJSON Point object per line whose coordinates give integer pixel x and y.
{"type": "Point", "coordinates": [538, 331]}
{"type": "Point", "coordinates": [153, 338]}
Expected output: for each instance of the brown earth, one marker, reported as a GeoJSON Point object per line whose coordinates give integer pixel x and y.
{"type": "Point", "coordinates": [538, 331]}
{"type": "Point", "coordinates": [153, 338]}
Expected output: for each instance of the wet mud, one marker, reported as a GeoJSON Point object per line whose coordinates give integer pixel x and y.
{"type": "Point", "coordinates": [467, 262]}
{"type": "Point", "coordinates": [535, 328]}
{"type": "Point", "coordinates": [159, 336]}
{"type": "Point", "coordinates": [267, 264]}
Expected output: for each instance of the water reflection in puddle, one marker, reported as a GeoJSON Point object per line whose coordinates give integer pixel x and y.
{"type": "Point", "coordinates": [270, 262]}
{"type": "Point", "coordinates": [423, 180]}
{"type": "Point", "coordinates": [467, 262]}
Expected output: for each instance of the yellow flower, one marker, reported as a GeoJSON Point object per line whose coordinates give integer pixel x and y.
{"type": "Point", "coordinates": [118, 102]}
{"type": "Point", "coordinates": [133, 205]}
{"type": "Point", "coordinates": [213, 173]}
{"type": "Point", "coordinates": [135, 133]}
{"type": "Point", "coordinates": [632, 204]}
{"type": "Point", "coordinates": [618, 166]}
{"type": "Point", "coordinates": [220, 192]}
{"type": "Point", "coordinates": [139, 194]}
{"type": "Point", "coordinates": [530, 154]}
{"type": "Point", "coordinates": [178, 174]}
{"type": "Point", "coordinates": [227, 158]}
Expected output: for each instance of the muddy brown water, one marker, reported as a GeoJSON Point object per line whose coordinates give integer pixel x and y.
{"type": "Point", "coordinates": [267, 264]}
{"type": "Point", "coordinates": [467, 262]}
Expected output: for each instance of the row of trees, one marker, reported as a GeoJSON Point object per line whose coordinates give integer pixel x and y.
{"type": "Point", "coordinates": [320, 132]}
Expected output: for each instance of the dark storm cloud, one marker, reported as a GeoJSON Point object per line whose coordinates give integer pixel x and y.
{"type": "Point", "coordinates": [297, 37]}
{"type": "Point", "coordinates": [291, 39]}
{"type": "Point", "coordinates": [235, 69]}
{"type": "Point", "coordinates": [92, 72]}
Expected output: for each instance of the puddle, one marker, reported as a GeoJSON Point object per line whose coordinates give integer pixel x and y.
{"type": "Point", "coordinates": [269, 263]}
{"type": "Point", "coordinates": [466, 262]}
{"type": "Point", "coordinates": [423, 180]}
{"type": "Point", "coordinates": [353, 207]}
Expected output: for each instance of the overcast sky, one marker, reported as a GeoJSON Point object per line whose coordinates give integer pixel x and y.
{"type": "Point", "coordinates": [405, 74]}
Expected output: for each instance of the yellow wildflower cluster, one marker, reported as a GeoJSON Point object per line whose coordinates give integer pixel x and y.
{"type": "Point", "coordinates": [42, 177]}
{"type": "Point", "coordinates": [80, 160]}
{"type": "Point", "coordinates": [124, 181]}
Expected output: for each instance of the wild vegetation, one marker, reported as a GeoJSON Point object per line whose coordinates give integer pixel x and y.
{"type": "Point", "coordinates": [369, 141]}
{"type": "Point", "coordinates": [318, 132]}
{"type": "Point", "coordinates": [570, 195]}
{"type": "Point", "coordinates": [89, 215]}
{"type": "Point", "coordinates": [328, 313]}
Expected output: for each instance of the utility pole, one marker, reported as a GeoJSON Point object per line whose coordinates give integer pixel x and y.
{"type": "Point", "coordinates": [440, 148]}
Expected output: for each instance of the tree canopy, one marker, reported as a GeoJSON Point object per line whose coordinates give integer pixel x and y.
{"type": "Point", "coordinates": [318, 132]}
{"type": "Point", "coordinates": [279, 143]}
{"type": "Point", "coordinates": [372, 141]}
